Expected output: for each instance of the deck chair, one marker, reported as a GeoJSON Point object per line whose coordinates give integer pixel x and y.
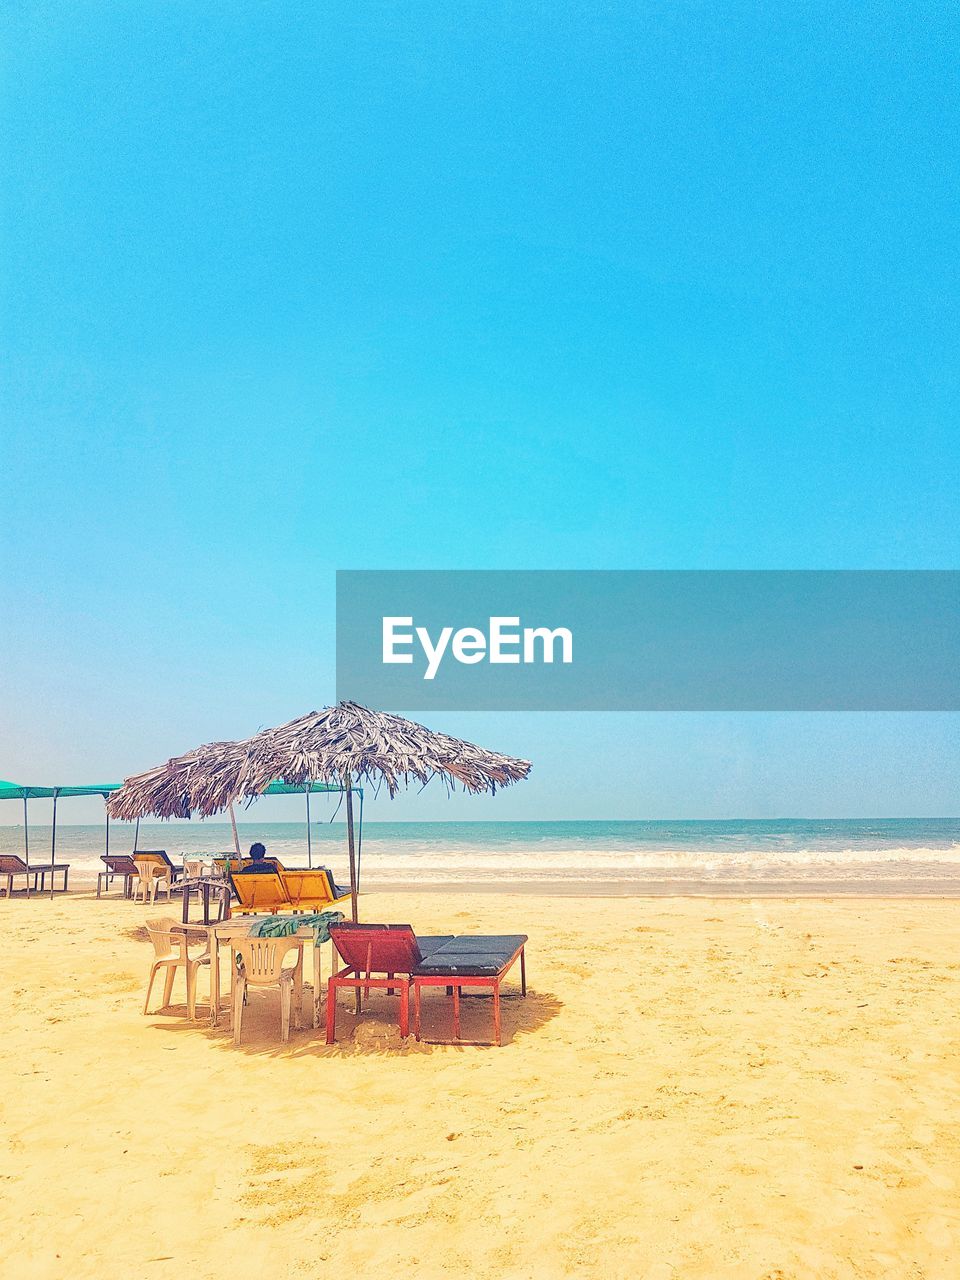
{"type": "Point", "coordinates": [478, 963]}
{"type": "Point", "coordinates": [117, 864]}
{"type": "Point", "coordinates": [257, 890]}
{"type": "Point", "coordinates": [173, 953]}
{"type": "Point", "coordinates": [391, 950]}
{"type": "Point", "coordinates": [313, 889]}
{"type": "Point", "coordinates": [11, 865]}
{"type": "Point", "coordinates": [260, 964]}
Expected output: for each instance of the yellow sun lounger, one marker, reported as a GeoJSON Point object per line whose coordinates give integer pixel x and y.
{"type": "Point", "coordinates": [285, 890]}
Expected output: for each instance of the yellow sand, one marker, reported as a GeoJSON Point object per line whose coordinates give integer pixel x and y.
{"type": "Point", "coordinates": [692, 1089]}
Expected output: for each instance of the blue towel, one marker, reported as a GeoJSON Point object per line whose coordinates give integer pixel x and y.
{"type": "Point", "coordinates": [284, 926]}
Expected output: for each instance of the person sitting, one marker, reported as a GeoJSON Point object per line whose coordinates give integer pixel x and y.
{"type": "Point", "coordinates": [258, 860]}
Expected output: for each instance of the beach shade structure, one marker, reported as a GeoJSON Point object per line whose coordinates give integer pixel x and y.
{"type": "Point", "coordinates": [25, 792]}
{"type": "Point", "coordinates": [339, 748]}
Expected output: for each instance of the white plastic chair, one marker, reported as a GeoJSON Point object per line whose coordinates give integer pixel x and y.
{"type": "Point", "coordinates": [173, 953]}
{"type": "Point", "coordinates": [261, 965]}
{"type": "Point", "coordinates": [152, 875]}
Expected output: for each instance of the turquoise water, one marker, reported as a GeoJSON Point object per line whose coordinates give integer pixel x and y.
{"type": "Point", "coordinates": [440, 852]}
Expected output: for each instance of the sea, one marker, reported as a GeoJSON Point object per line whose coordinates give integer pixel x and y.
{"type": "Point", "coordinates": [899, 854]}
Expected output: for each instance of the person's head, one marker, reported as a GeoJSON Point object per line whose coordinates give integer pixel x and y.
{"type": "Point", "coordinates": [258, 851]}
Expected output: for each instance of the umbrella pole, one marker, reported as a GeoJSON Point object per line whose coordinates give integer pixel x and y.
{"type": "Point", "coordinates": [309, 846]}
{"type": "Point", "coordinates": [351, 848]}
{"type": "Point", "coordinates": [136, 836]}
{"type": "Point", "coordinates": [26, 842]}
{"type": "Point", "coordinates": [233, 823]}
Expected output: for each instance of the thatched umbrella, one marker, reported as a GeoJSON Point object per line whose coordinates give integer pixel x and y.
{"type": "Point", "coordinates": [342, 745]}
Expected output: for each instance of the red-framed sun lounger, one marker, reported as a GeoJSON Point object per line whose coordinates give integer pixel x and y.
{"type": "Point", "coordinates": [477, 963]}
{"type": "Point", "coordinates": [375, 956]}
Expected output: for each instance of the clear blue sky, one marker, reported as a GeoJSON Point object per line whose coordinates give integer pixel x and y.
{"type": "Point", "coordinates": [291, 288]}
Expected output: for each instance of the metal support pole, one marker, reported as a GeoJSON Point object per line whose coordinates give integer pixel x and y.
{"type": "Point", "coordinates": [351, 849]}
{"type": "Point", "coordinates": [53, 842]}
{"type": "Point", "coordinates": [309, 845]}
{"type": "Point", "coordinates": [26, 842]}
{"type": "Point", "coordinates": [136, 836]}
{"type": "Point", "coordinates": [353, 868]}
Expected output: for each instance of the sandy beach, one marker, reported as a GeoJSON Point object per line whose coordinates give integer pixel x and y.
{"type": "Point", "coordinates": [761, 1088]}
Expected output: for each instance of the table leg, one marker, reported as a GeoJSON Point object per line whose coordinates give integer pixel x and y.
{"type": "Point", "coordinates": [185, 914]}
{"type": "Point", "coordinates": [214, 979]}
{"type": "Point", "coordinates": [316, 985]}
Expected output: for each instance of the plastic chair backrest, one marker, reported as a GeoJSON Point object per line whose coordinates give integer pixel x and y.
{"type": "Point", "coordinates": [150, 867]}
{"type": "Point", "coordinates": [377, 948]}
{"type": "Point", "coordinates": [165, 943]}
{"type": "Point", "coordinates": [263, 957]}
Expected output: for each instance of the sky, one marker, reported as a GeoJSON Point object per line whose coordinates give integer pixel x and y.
{"type": "Point", "coordinates": [292, 288]}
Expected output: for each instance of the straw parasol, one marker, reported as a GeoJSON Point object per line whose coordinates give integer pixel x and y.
{"type": "Point", "coordinates": [344, 744]}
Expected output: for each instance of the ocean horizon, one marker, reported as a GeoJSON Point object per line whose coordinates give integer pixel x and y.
{"type": "Point", "coordinates": [774, 849]}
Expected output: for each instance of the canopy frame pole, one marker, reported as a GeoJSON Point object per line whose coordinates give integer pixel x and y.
{"type": "Point", "coordinates": [233, 823]}
{"type": "Point", "coordinates": [53, 841]}
{"type": "Point", "coordinates": [359, 838]}
{"type": "Point", "coordinates": [136, 836]}
{"type": "Point", "coordinates": [309, 844]}
{"type": "Point", "coordinates": [106, 840]}
{"type": "Point", "coordinates": [26, 842]}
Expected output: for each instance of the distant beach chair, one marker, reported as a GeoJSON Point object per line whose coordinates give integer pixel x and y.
{"type": "Point", "coordinates": [173, 953]}
{"type": "Point", "coordinates": [117, 864]}
{"type": "Point", "coordinates": [196, 868]}
{"type": "Point", "coordinates": [260, 964]}
{"type": "Point", "coordinates": [11, 865]}
{"type": "Point", "coordinates": [154, 871]}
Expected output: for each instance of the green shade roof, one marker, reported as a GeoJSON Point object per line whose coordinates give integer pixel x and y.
{"type": "Point", "coordinates": [300, 788]}
{"type": "Point", "coordinates": [20, 791]}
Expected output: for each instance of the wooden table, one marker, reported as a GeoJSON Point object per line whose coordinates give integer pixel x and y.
{"type": "Point", "coordinates": [224, 932]}
{"type": "Point", "coordinates": [205, 887]}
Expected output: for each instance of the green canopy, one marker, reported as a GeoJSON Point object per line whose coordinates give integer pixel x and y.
{"type": "Point", "coordinates": [19, 791]}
